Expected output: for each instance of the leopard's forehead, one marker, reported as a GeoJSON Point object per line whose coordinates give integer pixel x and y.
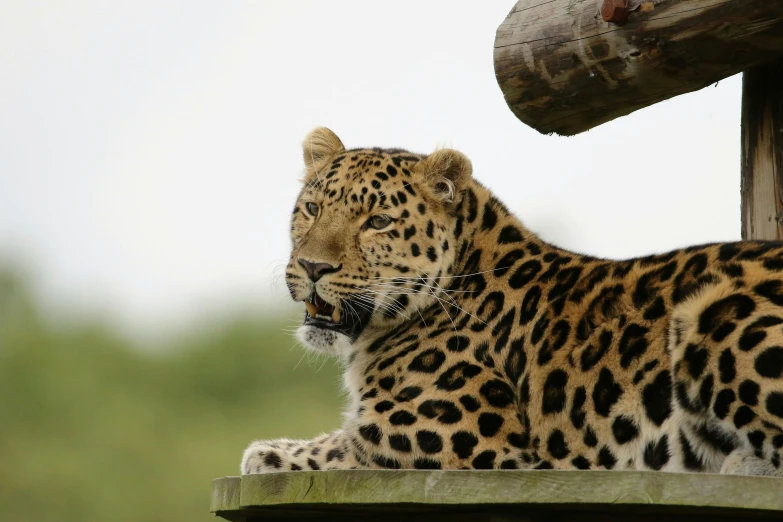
{"type": "Point", "coordinates": [366, 178]}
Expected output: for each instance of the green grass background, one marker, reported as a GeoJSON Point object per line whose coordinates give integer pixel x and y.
{"type": "Point", "coordinates": [94, 428]}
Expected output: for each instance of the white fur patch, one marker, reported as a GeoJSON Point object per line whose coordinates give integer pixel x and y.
{"type": "Point", "coordinates": [320, 340]}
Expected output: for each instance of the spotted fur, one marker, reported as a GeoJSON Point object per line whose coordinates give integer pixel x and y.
{"type": "Point", "coordinates": [468, 342]}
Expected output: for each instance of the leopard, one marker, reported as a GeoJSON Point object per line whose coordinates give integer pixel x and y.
{"type": "Point", "coordinates": [467, 342]}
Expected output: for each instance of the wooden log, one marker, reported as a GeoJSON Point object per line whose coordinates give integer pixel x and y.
{"type": "Point", "coordinates": [564, 69]}
{"type": "Point", "coordinates": [476, 496]}
{"type": "Point", "coordinates": [762, 152]}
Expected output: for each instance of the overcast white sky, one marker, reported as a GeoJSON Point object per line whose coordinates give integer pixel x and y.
{"type": "Point", "coordinates": [150, 151]}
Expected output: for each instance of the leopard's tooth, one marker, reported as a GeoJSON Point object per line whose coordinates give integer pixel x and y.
{"type": "Point", "coordinates": [311, 308]}
{"type": "Point", "coordinates": [336, 316]}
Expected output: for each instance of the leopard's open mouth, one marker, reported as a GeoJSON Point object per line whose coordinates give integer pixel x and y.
{"type": "Point", "coordinates": [317, 308]}
{"type": "Point", "coordinates": [322, 314]}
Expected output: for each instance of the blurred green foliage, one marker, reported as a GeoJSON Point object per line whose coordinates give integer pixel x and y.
{"type": "Point", "coordinates": [94, 428]}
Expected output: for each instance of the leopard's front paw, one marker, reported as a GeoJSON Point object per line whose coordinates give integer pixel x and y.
{"type": "Point", "coordinates": [325, 452]}
{"type": "Point", "coordinates": [263, 457]}
{"type": "Point", "coordinates": [745, 462]}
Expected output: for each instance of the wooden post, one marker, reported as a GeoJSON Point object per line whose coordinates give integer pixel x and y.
{"type": "Point", "coordinates": [762, 152]}
{"type": "Point", "coordinates": [566, 66]}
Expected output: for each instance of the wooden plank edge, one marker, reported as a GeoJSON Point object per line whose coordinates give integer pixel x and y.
{"type": "Point", "coordinates": [225, 494]}
{"type": "Point", "coordinates": [453, 488]}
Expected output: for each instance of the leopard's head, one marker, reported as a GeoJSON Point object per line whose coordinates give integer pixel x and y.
{"type": "Point", "coordinates": [373, 234]}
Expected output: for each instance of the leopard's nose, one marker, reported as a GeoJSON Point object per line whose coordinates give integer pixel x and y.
{"type": "Point", "coordinates": [316, 270]}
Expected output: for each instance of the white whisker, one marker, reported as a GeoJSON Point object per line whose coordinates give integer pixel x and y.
{"type": "Point", "coordinates": [449, 277]}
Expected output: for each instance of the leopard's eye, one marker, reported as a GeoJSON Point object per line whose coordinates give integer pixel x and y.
{"type": "Point", "coordinates": [379, 222]}
{"type": "Point", "coordinates": [312, 208]}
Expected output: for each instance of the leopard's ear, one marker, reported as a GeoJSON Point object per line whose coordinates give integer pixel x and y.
{"type": "Point", "coordinates": [445, 172]}
{"type": "Point", "coordinates": [318, 148]}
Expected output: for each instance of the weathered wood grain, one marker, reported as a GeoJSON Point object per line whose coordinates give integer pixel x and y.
{"type": "Point", "coordinates": [762, 152]}
{"type": "Point", "coordinates": [498, 495]}
{"type": "Point", "coordinates": [225, 494]}
{"type": "Point", "coordinates": [564, 70]}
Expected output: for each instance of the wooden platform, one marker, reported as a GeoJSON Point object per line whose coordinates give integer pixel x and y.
{"type": "Point", "coordinates": [499, 496]}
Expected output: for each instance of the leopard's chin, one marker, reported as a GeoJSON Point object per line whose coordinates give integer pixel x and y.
{"type": "Point", "coordinates": [323, 340]}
